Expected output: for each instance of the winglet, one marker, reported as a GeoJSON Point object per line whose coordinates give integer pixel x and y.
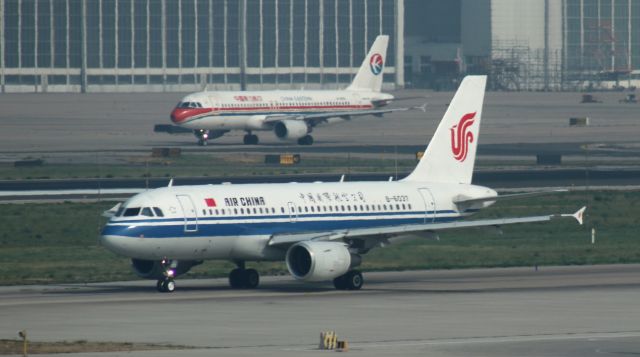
{"type": "Point", "coordinates": [170, 183]}
{"type": "Point", "coordinates": [422, 107]}
{"type": "Point", "coordinates": [579, 215]}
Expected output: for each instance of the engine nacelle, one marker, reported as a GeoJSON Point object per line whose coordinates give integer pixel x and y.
{"type": "Point", "coordinates": [291, 129]}
{"type": "Point", "coordinates": [152, 269]}
{"type": "Point", "coordinates": [319, 261]}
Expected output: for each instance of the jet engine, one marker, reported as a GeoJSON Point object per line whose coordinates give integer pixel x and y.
{"type": "Point", "coordinates": [153, 269]}
{"type": "Point", "coordinates": [291, 129]}
{"type": "Point", "coordinates": [319, 261]}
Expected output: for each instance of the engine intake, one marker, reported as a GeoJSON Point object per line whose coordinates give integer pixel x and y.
{"type": "Point", "coordinates": [291, 129]}
{"type": "Point", "coordinates": [152, 269]}
{"type": "Point", "coordinates": [319, 261]}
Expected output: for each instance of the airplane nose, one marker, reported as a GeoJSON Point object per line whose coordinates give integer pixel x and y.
{"type": "Point", "coordinates": [180, 115]}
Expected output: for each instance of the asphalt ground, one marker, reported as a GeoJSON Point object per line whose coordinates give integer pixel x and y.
{"type": "Point", "coordinates": [549, 311]}
{"type": "Point", "coordinates": [102, 122]}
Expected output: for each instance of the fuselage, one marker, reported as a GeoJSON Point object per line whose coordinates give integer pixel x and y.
{"type": "Point", "coordinates": [235, 222]}
{"type": "Point", "coordinates": [247, 110]}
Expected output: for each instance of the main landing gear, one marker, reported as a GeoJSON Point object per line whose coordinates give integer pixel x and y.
{"type": "Point", "coordinates": [250, 139]}
{"type": "Point", "coordinates": [305, 140]}
{"type": "Point", "coordinates": [352, 280]}
{"type": "Point", "coordinates": [241, 278]}
{"type": "Point", "coordinates": [167, 284]}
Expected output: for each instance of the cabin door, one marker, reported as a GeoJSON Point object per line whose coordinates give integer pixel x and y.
{"type": "Point", "coordinates": [189, 213]}
{"type": "Point", "coordinates": [429, 205]}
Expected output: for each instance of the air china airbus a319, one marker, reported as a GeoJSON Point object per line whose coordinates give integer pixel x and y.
{"type": "Point", "coordinates": [321, 230]}
{"type": "Point", "coordinates": [291, 115]}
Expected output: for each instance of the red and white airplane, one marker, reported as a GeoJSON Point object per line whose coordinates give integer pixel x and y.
{"type": "Point", "coordinates": [291, 115]}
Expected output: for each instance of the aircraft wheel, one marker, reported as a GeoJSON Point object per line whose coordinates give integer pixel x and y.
{"type": "Point", "coordinates": [250, 139]}
{"type": "Point", "coordinates": [235, 278]}
{"type": "Point", "coordinates": [251, 278]}
{"type": "Point", "coordinates": [353, 280]}
{"type": "Point", "coordinates": [305, 140]}
{"type": "Point", "coordinates": [159, 285]}
{"type": "Point", "coordinates": [340, 283]}
{"type": "Point", "coordinates": [166, 285]}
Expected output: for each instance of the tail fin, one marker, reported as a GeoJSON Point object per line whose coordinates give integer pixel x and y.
{"type": "Point", "coordinates": [369, 76]}
{"type": "Point", "coordinates": [451, 154]}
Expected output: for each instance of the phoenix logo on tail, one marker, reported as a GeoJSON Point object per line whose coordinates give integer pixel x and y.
{"type": "Point", "coordinates": [461, 137]}
{"type": "Point", "coordinates": [376, 63]}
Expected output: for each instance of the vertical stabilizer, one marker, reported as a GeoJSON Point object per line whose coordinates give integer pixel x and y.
{"type": "Point", "coordinates": [451, 154]}
{"type": "Point", "coordinates": [370, 74]}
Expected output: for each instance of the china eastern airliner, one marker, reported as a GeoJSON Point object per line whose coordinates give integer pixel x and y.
{"type": "Point", "coordinates": [320, 230]}
{"type": "Point", "coordinates": [291, 115]}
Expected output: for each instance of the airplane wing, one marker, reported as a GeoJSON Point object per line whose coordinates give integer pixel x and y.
{"type": "Point", "coordinates": [385, 232]}
{"type": "Point", "coordinates": [314, 119]}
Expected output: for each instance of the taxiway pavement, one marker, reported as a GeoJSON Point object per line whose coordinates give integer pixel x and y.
{"type": "Point", "coordinates": [552, 311]}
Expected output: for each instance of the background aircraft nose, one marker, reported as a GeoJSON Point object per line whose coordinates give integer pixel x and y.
{"type": "Point", "coordinates": [180, 115]}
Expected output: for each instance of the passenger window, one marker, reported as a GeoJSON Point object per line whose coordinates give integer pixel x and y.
{"type": "Point", "coordinates": [397, 206]}
{"type": "Point", "coordinates": [409, 205]}
{"type": "Point", "coordinates": [147, 212]}
{"type": "Point", "coordinates": [273, 210]}
{"type": "Point", "coordinates": [216, 211]}
{"type": "Point", "coordinates": [131, 212]}
{"type": "Point", "coordinates": [235, 211]}
{"type": "Point", "coordinates": [255, 211]}
{"type": "Point", "coordinates": [282, 209]}
{"type": "Point", "coordinates": [312, 209]}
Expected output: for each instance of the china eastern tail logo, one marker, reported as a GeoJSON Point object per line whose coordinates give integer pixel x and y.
{"type": "Point", "coordinates": [376, 63]}
{"type": "Point", "coordinates": [461, 137]}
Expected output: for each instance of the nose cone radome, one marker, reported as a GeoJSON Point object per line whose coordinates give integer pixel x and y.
{"type": "Point", "coordinates": [182, 115]}
{"type": "Point", "coordinates": [112, 238]}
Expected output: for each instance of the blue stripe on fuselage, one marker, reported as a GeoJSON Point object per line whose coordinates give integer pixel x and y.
{"type": "Point", "coordinates": [253, 227]}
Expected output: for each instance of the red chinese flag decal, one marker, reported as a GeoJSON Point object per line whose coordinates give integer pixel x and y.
{"type": "Point", "coordinates": [210, 202]}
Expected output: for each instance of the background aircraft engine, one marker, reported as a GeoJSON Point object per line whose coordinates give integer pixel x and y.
{"type": "Point", "coordinates": [291, 129]}
{"type": "Point", "coordinates": [152, 269]}
{"type": "Point", "coordinates": [318, 261]}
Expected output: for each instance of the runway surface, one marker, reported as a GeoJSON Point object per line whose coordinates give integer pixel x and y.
{"type": "Point", "coordinates": [554, 311]}
{"type": "Point", "coordinates": [101, 122]}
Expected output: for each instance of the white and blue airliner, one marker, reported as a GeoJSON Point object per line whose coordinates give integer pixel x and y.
{"type": "Point", "coordinates": [321, 230]}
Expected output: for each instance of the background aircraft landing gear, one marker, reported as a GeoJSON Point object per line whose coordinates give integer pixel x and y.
{"type": "Point", "coordinates": [203, 136]}
{"type": "Point", "coordinates": [241, 278]}
{"type": "Point", "coordinates": [251, 139]}
{"type": "Point", "coordinates": [305, 140]}
{"type": "Point", "coordinates": [352, 280]}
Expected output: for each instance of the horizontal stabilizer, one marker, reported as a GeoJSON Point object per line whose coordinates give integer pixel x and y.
{"type": "Point", "coordinates": [514, 196]}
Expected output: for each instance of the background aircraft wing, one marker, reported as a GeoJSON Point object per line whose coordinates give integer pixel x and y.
{"type": "Point", "coordinates": [388, 232]}
{"type": "Point", "coordinates": [314, 119]}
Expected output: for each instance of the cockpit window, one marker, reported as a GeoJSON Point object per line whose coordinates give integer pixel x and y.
{"type": "Point", "coordinates": [147, 212]}
{"type": "Point", "coordinates": [119, 212]}
{"type": "Point", "coordinates": [189, 105]}
{"type": "Point", "coordinates": [131, 212]}
{"type": "Point", "coordinates": [158, 212]}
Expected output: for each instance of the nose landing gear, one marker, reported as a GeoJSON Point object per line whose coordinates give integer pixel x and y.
{"type": "Point", "coordinates": [167, 284]}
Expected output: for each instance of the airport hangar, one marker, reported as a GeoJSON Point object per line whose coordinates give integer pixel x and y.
{"type": "Point", "coordinates": [187, 45]}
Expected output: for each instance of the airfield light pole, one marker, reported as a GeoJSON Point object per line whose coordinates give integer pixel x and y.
{"type": "Point", "coordinates": [242, 43]}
